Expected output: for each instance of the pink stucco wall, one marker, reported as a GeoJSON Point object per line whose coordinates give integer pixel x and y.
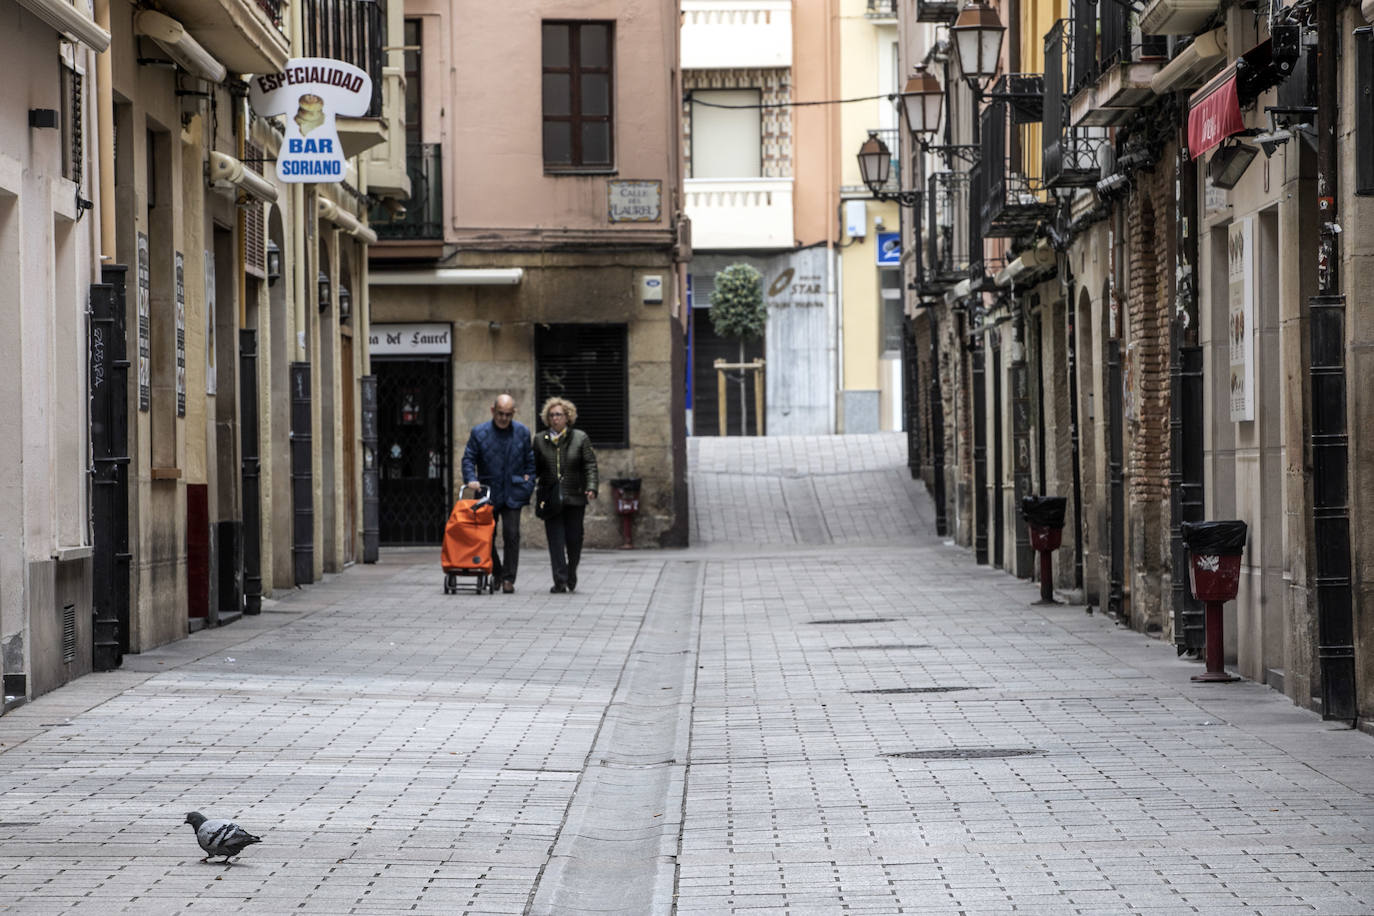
{"type": "Point", "coordinates": [484, 61]}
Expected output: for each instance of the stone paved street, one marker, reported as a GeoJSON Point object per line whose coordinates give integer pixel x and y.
{"type": "Point", "coordinates": [820, 708]}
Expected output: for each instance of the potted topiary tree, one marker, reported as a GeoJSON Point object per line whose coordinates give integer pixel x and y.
{"type": "Point", "coordinates": [737, 311]}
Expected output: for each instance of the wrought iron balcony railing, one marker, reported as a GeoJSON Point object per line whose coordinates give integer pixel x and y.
{"type": "Point", "coordinates": [349, 30]}
{"type": "Point", "coordinates": [946, 247]}
{"type": "Point", "coordinates": [424, 218]}
{"type": "Point", "coordinates": [1071, 153]}
{"type": "Point", "coordinates": [1107, 33]}
{"type": "Point", "coordinates": [945, 11]}
{"type": "Point", "coordinates": [1011, 205]}
{"type": "Point", "coordinates": [273, 10]}
{"type": "Point", "coordinates": [881, 9]}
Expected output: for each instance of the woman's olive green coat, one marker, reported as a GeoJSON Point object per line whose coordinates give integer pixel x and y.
{"type": "Point", "coordinates": [574, 452]}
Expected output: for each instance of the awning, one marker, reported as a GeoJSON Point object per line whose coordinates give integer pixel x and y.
{"type": "Point", "coordinates": [70, 21]}
{"type": "Point", "coordinates": [1214, 113]}
{"type": "Point", "coordinates": [448, 276]}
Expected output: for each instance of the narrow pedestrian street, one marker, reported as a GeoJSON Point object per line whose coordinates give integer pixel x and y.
{"type": "Point", "coordinates": [818, 708]}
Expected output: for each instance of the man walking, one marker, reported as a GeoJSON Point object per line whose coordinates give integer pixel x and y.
{"type": "Point", "coordinates": [500, 457]}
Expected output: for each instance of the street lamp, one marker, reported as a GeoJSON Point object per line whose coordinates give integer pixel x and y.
{"type": "Point", "coordinates": [922, 98]}
{"type": "Point", "coordinates": [875, 167]}
{"type": "Point", "coordinates": [978, 40]}
{"type": "Point", "coordinates": [323, 289]}
{"type": "Point", "coordinates": [345, 304]}
{"type": "Point", "coordinates": [273, 262]}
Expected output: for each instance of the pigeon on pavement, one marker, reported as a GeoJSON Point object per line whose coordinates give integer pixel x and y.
{"type": "Point", "coordinates": [220, 837]}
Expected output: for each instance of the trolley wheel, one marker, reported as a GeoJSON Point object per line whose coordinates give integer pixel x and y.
{"type": "Point", "coordinates": [481, 582]}
{"type": "Point", "coordinates": [450, 583]}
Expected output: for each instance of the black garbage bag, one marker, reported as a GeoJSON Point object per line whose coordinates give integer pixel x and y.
{"type": "Point", "coordinates": [1225, 539]}
{"type": "Point", "coordinates": [1044, 511]}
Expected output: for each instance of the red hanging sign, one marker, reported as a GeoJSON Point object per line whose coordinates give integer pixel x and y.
{"type": "Point", "coordinates": [1214, 114]}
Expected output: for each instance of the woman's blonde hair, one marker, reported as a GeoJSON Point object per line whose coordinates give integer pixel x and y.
{"type": "Point", "coordinates": [568, 408]}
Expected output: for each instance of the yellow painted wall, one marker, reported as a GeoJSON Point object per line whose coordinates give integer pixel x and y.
{"type": "Point", "coordinates": [1037, 18]}
{"type": "Point", "coordinates": [861, 293]}
{"type": "Point", "coordinates": [865, 53]}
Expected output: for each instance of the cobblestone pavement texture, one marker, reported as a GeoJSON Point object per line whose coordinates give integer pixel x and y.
{"type": "Point", "coordinates": [821, 708]}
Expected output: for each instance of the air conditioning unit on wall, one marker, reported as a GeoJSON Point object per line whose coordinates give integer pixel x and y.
{"type": "Point", "coordinates": [1177, 17]}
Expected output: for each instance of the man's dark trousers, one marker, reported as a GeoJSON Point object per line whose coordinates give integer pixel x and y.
{"type": "Point", "coordinates": [505, 564]}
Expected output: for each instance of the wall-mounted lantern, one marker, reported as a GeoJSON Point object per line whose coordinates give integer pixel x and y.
{"type": "Point", "coordinates": [978, 40]}
{"type": "Point", "coordinates": [324, 291]}
{"type": "Point", "coordinates": [273, 262]}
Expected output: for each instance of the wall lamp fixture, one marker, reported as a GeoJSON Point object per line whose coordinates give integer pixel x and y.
{"type": "Point", "coordinates": [875, 166]}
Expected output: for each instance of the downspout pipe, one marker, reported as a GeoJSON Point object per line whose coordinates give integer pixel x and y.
{"type": "Point", "coordinates": [1329, 440]}
{"type": "Point", "coordinates": [104, 95]}
{"type": "Point", "coordinates": [1186, 406]}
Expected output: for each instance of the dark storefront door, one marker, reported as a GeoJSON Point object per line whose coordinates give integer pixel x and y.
{"type": "Point", "coordinates": [706, 349]}
{"type": "Point", "coordinates": [414, 447]}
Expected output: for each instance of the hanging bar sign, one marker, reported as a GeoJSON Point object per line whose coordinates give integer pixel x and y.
{"type": "Point", "coordinates": [311, 92]}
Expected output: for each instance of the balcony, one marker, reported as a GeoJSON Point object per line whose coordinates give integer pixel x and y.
{"type": "Point", "coordinates": [946, 259]}
{"type": "Point", "coordinates": [736, 34]}
{"type": "Point", "coordinates": [881, 10]}
{"type": "Point", "coordinates": [1070, 153]}
{"type": "Point", "coordinates": [387, 165]}
{"type": "Point", "coordinates": [943, 11]}
{"type": "Point", "coordinates": [424, 215]}
{"type": "Point", "coordinates": [1178, 17]}
{"type": "Point", "coordinates": [353, 31]}
{"type": "Point", "coordinates": [740, 212]}
{"type": "Point", "coordinates": [1112, 64]}
{"type": "Point", "coordinates": [244, 35]}
{"type": "Point", "coordinates": [1011, 200]}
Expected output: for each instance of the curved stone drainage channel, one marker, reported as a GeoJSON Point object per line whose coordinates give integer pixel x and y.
{"type": "Point", "coordinates": [617, 848]}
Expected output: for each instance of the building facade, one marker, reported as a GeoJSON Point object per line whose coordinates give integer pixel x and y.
{"type": "Point", "coordinates": [1157, 315]}
{"type": "Point", "coordinates": [539, 254]}
{"type": "Point", "coordinates": [185, 381]}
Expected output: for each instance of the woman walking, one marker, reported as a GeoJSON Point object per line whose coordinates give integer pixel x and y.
{"type": "Point", "coordinates": [565, 470]}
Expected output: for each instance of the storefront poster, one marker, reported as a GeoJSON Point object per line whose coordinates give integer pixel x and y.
{"type": "Point", "coordinates": [181, 333]}
{"type": "Point", "coordinates": [145, 324]}
{"type": "Point", "coordinates": [1240, 274]}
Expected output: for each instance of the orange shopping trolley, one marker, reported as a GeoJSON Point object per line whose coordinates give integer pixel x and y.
{"type": "Point", "coordinates": [468, 543]}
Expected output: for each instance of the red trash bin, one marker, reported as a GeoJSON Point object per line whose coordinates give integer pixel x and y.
{"type": "Point", "coordinates": [1214, 552]}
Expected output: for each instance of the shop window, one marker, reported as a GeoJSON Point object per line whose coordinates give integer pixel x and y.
{"type": "Point", "coordinates": [891, 288]}
{"type": "Point", "coordinates": [588, 365]}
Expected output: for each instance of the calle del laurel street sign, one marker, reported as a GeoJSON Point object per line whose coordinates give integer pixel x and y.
{"type": "Point", "coordinates": [311, 92]}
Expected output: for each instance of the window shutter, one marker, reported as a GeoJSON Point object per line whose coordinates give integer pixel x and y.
{"type": "Point", "coordinates": [588, 365]}
{"type": "Point", "coordinates": [254, 236]}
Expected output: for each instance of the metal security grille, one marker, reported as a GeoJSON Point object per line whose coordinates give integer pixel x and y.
{"type": "Point", "coordinates": [68, 633]}
{"type": "Point", "coordinates": [588, 365]}
{"type": "Point", "coordinates": [413, 449]}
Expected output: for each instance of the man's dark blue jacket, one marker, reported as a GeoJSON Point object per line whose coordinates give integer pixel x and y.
{"type": "Point", "coordinates": [501, 459]}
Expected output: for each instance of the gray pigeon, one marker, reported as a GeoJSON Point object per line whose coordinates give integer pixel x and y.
{"type": "Point", "coordinates": [220, 838]}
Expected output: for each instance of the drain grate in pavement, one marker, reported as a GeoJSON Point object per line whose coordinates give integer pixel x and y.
{"type": "Point", "coordinates": [914, 689]}
{"type": "Point", "coordinates": [966, 753]}
{"type": "Point", "coordinates": [879, 648]}
{"type": "Point", "coordinates": [855, 620]}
